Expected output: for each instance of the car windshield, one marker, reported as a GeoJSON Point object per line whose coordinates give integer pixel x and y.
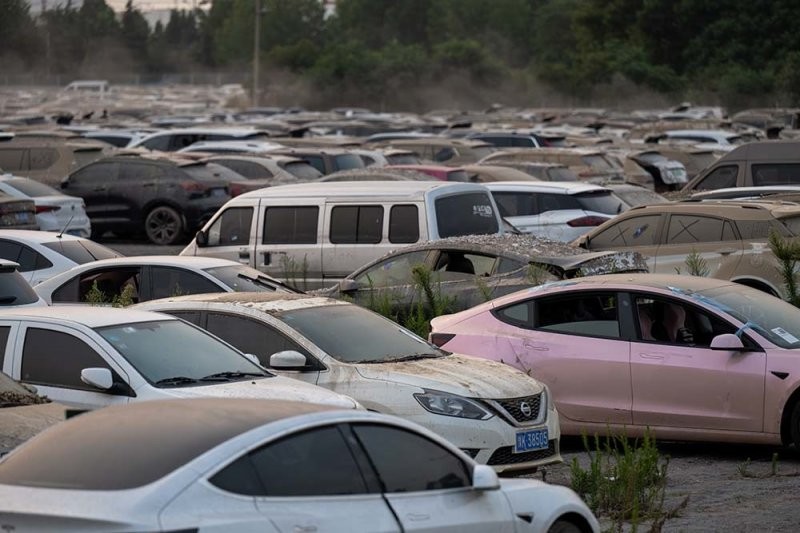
{"type": "Point", "coordinates": [33, 188]}
{"type": "Point", "coordinates": [242, 278]}
{"type": "Point", "coordinates": [81, 251]}
{"type": "Point", "coordinates": [173, 353]}
{"type": "Point", "coordinates": [302, 170]}
{"type": "Point", "coordinates": [348, 161]}
{"type": "Point", "coordinates": [634, 196]}
{"type": "Point", "coordinates": [561, 174]}
{"type": "Point", "coordinates": [352, 334]}
{"type": "Point", "coordinates": [770, 317]}
{"type": "Point", "coordinates": [599, 201]}
{"type": "Point", "coordinates": [597, 162]}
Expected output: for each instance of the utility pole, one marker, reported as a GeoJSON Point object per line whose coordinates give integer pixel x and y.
{"type": "Point", "coordinates": [256, 46]}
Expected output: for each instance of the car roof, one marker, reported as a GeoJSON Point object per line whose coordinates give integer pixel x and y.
{"type": "Point", "coordinates": [735, 209]}
{"type": "Point", "coordinates": [267, 302]}
{"type": "Point", "coordinates": [88, 315]}
{"type": "Point", "coordinates": [38, 236]}
{"type": "Point", "coordinates": [189, 261]}
{"type": "Point", "coordinates": [655, 281]}
{"type": "Point", "coordinates": [357, 188]}
{"type": "Point", "coordinates": [566, 187]}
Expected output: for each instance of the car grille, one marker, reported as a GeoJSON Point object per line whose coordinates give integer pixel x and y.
{"type": "Point", "coordinates": [506, 455]}
{"type": "Point", "coordinates": [515, 407]}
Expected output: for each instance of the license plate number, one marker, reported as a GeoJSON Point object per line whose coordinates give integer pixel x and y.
{"type": "Point", "coordinates": [23, 217]}
{"type": "Point", "coordinates": [534, 439]}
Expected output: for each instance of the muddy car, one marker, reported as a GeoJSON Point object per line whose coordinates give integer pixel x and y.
{"type": "Point", "coordinates": [469, 270]}
{"type": "Point", "coordinates": [48, 160]}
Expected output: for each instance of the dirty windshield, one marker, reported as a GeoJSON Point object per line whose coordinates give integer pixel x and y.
{"type": "Point", "coordinates": [355, 335]}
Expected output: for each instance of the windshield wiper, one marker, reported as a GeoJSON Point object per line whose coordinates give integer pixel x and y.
{"type": "Point", "coordinates": [269, 283]}
{"type": "Point", "coordinates": [175, 380]}
{"type": "Point", "coordinates": [410, 357]}
{"type": "Point", "coordinates": [230, 376]}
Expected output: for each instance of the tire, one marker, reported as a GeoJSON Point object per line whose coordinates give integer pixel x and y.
{"type": "Point", "coordinates": [564, 526]}
{"type": "Point", "coordinates": [164, 225]}
{"type": "Point", "coordinates": [794, 426]}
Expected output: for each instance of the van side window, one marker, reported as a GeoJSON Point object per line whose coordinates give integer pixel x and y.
{"type": "Point", "coordinates": [776, 174]}
{"type": "Point", "coordinates": [231, 228]}
{"type": "Point", "coordinates": [4, 331]}
{"type": "Point", "coordinates": [403, 224]}
{"type": "Point", "coordinates": [720, 178]}
{"type": "Point", "coordinates": [291, 225]}
{"type": "Point", "coordinates": [359, 224]}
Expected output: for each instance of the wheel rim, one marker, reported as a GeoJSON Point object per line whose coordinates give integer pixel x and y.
{"type": "Point", "coordinates": [162, 225]}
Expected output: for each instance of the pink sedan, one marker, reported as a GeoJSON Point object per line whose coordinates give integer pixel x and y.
{"type": "Point", "coordinates": [691, 358]}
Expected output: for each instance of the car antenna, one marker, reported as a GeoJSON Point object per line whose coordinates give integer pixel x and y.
{"type": "Point", "coordinates": [66, 226]}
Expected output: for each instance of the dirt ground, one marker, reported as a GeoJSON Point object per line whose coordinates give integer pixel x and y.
{"type": "Point", "coordinates": [725, 492]}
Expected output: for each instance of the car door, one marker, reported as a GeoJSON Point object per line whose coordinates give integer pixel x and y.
{"type": "Point", "coordinates": [710, 239]}
{"type": "Point", "coordinates": [428, 487]}
{"type": "Point", "coordinates": [56, 372]}
{"type": "Point", "coordinates": [92, 183]}
{"type": "Point", "coordinates": [679, 381]}
{"type": "Point", "coordinates": [574, 342]}
{"type": "Point", "coordinates": [232, 235]}
{"type": "Point", "coordinates": [137, 183]}
{"type": "Point", "coordinates": [289, 246]}
{"type": "Point", "coordinates": [353, 236]}
{"type": "Point", "coordinates": [641, 233]}
{"type": "Point", "coordinates": [311, 481]}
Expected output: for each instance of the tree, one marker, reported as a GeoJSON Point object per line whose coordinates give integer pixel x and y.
{"type": "Point", "coordinates": [135, 32]}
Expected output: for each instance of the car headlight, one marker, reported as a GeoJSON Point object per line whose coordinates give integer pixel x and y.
{"type": "Point", "coordinates": [442, 403]}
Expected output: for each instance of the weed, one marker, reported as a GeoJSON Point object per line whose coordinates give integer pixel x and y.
{"type": "Point", "coordinates": [295, 273]}
{"type": "Point", "coordinates": [788, 253]}
{"type": "Point", "coordinates": [744, 469]}
{"type": "Point", "coordinates": [774, 469]}
{"type": "Point", "coordinates": [95, 296]}
{"type": "Point", "coordinates": [483, 288]}
{"type": "Point", "coordinates": [695, 265]}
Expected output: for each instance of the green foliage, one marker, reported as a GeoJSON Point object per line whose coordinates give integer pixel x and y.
{"type": "Point", "coordinates": [695, 265]}
{"type": "Point", "coordinates": [624, 481]}
{"type": "Point", "coordinates": [787, 251]}
{"type": "Point", "coordinates": [95, 296]}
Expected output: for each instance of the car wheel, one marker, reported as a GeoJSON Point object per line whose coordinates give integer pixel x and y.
{"type": "Point", "coordinates": [163, 225]}
{"type": "Point", "coordinates": [564, 526]}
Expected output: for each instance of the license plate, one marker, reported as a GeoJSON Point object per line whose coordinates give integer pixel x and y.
{"type": "Point", "coordinates": [23, 217]}
{"type": "Point", "coordinates": [534, 439]}
{"type": "Point", "coordinates": [218, 192]}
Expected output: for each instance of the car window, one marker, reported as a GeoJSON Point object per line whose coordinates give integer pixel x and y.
{"type": "Point", "coordinates": [347, 162]}
{"type": "Point", "coordinates": [755, 229]}
{"type": "Point", "coordinates": [302, 170]}
{"type": "Point", "coordinates": [251, 336]}
{"type": "Point", "coordinates": [159, 142]}
{"type": "Point", "coordinates": [14, 290]}
{"type": "Point", "coordinates": [720, 178]}
{"type": "Point", "coordinates": [456, 264]}
{"type": "Point", "coordinates": [81, 252]}
{"type": "Point", "coordinates": [291, 225]}
{"type": "Point", "coordinates": [668, 321]}
{"type": "Point", "coordinates": [689, 229]}
{"type": "Point", "coordinates": [4, 331]}
{"type": "Point", "coordinates": [10, 250]}
{"type": "Point", "coordinates": [32, 188]}
{"type": "Point", "coordinates": [135, 171]}
{"type": "Point", "coordinates": [466, 214]}
{"type": "Point", "coordinates": [776, 174]}
{"type": "Point", "coordinates": [633, 231]}
{"type": "Point", "coordinates": [519, 314]}
{"type": "Point", "coordinates": [403, 224]}
{"type": "Point", "coordinates": [231, 228]}
{"type": "Point", "coordinates": [589, 314]}
{"type": "Point", "coordinates": [43, 365]}
{"type": "Point", "coordinates": [101, 285]}
{"type": "Point", "coordinates": [317, 462]}
{"type": "Point", "coordinates": [317, 162]}
{"type": "Point", "coordinates": [408, 462]}
{"type": "Point", "coordinates": [42, 158]}
{"type": "Point", "coordinates": [29, 260]}
{"type": "Point", "coordinates": [189, 316]}
{"type": "Point", "coordinates": [248, 169]}
{"type": "Point", "coordinates": [516, 204]}
{"type": "Point", "coordinates": [171, 281]}
{"type": "Point", "coordinates": [393, 271]}
{"type": "Point", "coordinates": [95, 173]}
{"type": "Point", "coordinates": [361, 224]}
{"type": "Point", "coordinates": [11, 159]}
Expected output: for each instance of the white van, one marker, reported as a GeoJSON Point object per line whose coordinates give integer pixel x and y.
{"type": "Point", "coordinates": [315, 234]}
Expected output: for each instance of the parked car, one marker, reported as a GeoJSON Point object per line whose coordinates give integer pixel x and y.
{"type": "Point", "coordinates": [475, 406]}
{"type": "Point", "coordinates": [317, 233]}
{"type": "Point", "coordinates": [48, 160]}
{"type": "Point", "coordinates": [729, 237]}
{"type": "Point", "coordinates": [589, 164]}
{"type": "Point", "coordinates": [232, 147]}
{"type": "Point", "coordinates": [153, 276]}
{"type": "Point", "coordinates": [164, 198]}
{"type": "Point", "coordinates": [41, 255]}
{"type": "Point", "coordinates": [752, 164]}
{"type": "Point", "coordinates": [55, 211]}
{"type": "Point", "coordinates": [689, 357]}
{"type": "Point", "coordinates": [325, 160]}
{"type": "Point", "coordinates": [634, 195]}
{"type": "Point", "coordinates": [92, 357]}
{"type": "Point", "coordinates": [266, 466]}
{"type": "Point", "coordinates": [175, 139]}
{"type": "Point", "coordinates": [745, 193]}
{"type": "Point", "coordinates": [438, 172]}
{"type": "Point", "coordinates": [490, 173]}
{"type": "Point", "coordinates": [466, 271]}
{"type": "Point", "coordinates": [14, 290]}
{"type": "Point", "coordinates": [562, 211]}
{"type": "Point", "coordinates": [703, 136]}
{"type": "Point", "coordinates": [17, 213]}
{"type": "Point", "coordinates": [442, 150]}
{"type": "Point", "coordinates": [507, 139]}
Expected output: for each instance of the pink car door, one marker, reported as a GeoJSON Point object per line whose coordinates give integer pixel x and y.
{"type": "Point", "coordinates": [678, 381]}
{"type": "Point", "coordinates": [571, 342]}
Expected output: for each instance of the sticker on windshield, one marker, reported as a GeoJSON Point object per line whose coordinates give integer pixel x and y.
{"type": "Point", "coordinates": [785, 335]}
{"type": "Point", "coordinates": [483, 211]}
{"type": "Point", "coordinates": [640, 230]}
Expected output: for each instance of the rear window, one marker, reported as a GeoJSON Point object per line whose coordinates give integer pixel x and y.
{"type": "Point", "coordinates": [32, 188]}
{"type": "Point", "coordinates": [599, 201]}
{"type": "Point", "coordinates": [14, 290]}
{"type": "Point", "coordinates": [466, 214]}
{"type": "Point", "coordinates": [561, 174]}
{"type": "Point", "coordinates": [597, 162]}
{"type": "Point", "coordinates": [348, 161]}
{"type": "Point", "coordinates": [302, 170]}
{"type": "Point", "coordinates": [793, 224]}
{"type": "Point", "coordinates": [81, 251]}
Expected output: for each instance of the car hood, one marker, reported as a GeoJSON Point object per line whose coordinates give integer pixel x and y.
{"type": "Point", "coordinates": [457, 374]}
{"type": "Point", "coordinates": [274, 388]}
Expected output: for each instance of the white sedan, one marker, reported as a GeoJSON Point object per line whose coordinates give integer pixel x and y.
{"type": "Point", "coordinates": [154, 276]}
{"type": "Point", "coordinates": [496, 414]}
{"type": "Point", "coordinates": [216, 465]}
{"type": "Point", "coordinates": [42, 254]}
{"type": "Point", "coordinates": [55, 211]}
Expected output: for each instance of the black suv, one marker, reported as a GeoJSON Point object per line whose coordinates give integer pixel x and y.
{"type": "Point", "coordinates": [165, 198]}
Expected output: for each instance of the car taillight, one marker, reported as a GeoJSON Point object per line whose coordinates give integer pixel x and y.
{"type": "Point", "coordinates": [46, 208]}
{"type": "Point", "coordinates": [236, 189]}
{"type": "Point", "coordinates": [192, 186]}
{"type": "Point", "coordinates": [440, 339]}
{"type": "Point", "coordinates": [586, 221]}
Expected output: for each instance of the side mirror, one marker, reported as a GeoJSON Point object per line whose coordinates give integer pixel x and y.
{"type": "Point", "coordinates": [348, 285]}
{"type": "Point", "coordinates": [288, 360]}
{"type": "Point", "coordinates": [201, 238]}
{"type": "Point", "coordinates": [484, 478]}
{"type": "Point", "coordinates": [100, 378]}
{"type": "Point", "coordinates": [727, 341]}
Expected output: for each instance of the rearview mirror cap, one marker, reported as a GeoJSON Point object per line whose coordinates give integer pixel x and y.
{"type": "Point", "coordinates": [100, 378]}
{"type": "Point", "coordinates": [287, 360]}
{"type": "Point", "coordinates": [200, 238]}
{"type": "Point", "coordinates": [348, 285]}
{"type": "Point", "coordinates": [727, 341]}
{"type": "Point", "coordinates": [485, 478]}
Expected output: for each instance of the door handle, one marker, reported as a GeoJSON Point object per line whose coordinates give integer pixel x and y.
{"type": "Point", "coordinates": [304, 529]}
{"type": "Point", "coordinates": [532, 346]}
{"type": "Point", "coordinates": [651, 356]}
{"type": "Point", "coordinates": [418, 517]}
{"type": "Point", "coordinates": [244, 255]}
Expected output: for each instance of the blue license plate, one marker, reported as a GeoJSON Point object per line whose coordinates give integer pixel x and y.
{"type": "Point", "coordinates": [534, 439]}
